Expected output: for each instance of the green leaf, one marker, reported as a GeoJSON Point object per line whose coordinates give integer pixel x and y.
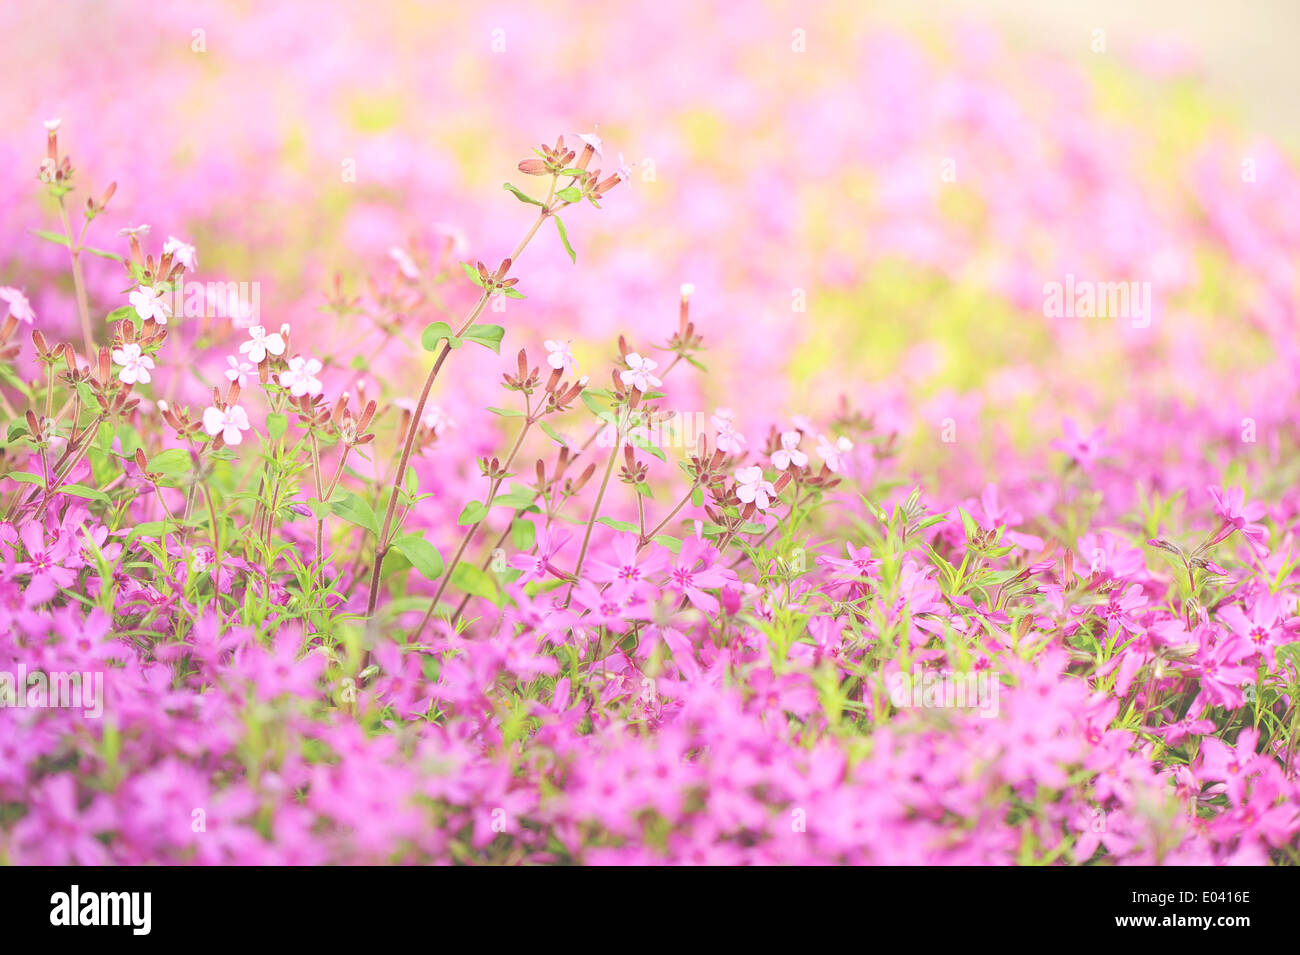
{"type": "Point", "coordinates": [471, 580]}
{"type": "Point", "coordinates": [356, 510]}
{"type": "Point", "coordinates": [619, 525]}
{"type": "Point", "coordinates": [513, 293]}
{"type": "Point", "coordinates": [102, 253]}
{"type": "Point", "coordinates": [473, 513]}
{"type": "Point", "coordinates": [672, 543]}
{"type": "Point", "coordinates": [54, 237]}
{"type": "Point", "coordinates": [522, 534]}
{"type": "Point", "coordinates": [435, 333]}
{"type": "Point", "coordinates": [555, 435]}
{"type": "Point", "coordinates": [697, 496]}
{"type": "Point", "coordinates": [423, 556]}
{"type": "Point", "coordinates": [569, 194]}
{"type": "Point", "coordinates": [519, 499]}
{"type": "Point", "coordinates": [90, 493]}
{"type": "Point", "coordinates": [507, 412]}
{"type": "Point", "coordinates": [522, 196]}
{"type": "Point", "coordinates": [564, 237]}
{"type": "Point", "coordinates": [647, 447]}
{"type": "Point", "coordinates": [172, 462]}
{"type": "Point", "coordinates": [589, 399]}
{"type": "Point", "coordinates": [276, 425]}
{"type": "Point", "coordinates": [22, 477]}
{"type": "Point", "coordinates": [121, 314]}
{"type": "Point", "coordinates": [473, 274]}
{"type": "Point", "coordinates": [489, 336]}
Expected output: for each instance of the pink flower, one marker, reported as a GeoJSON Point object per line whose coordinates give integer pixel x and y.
{"type": "Point", "coordinates": [694, 571]}
{"type": "Point", "coordinates": [638, 374]}
{"type": "Point", "coordinates": [181, 252]}
{"type": "Point", "coordinates": [230, 423]}
{"type": "Point", "coordinates": [559, 356]}
{"type": "Point", "coordinates": [150, 303]}
{"type": "Point", "coordinates": [260, 344]}
{"type": "Point", "coordinates": [1238, 516]}
{"type": "Point", "coordinates": [751, 488]}
{"type": "Point", "coordinates": [729, 440]}
{"type": "Point", "coordinates": [630, 569]}
{"type": "Point", "coordinates": [300, 377]}
{"type": "Point", "coordinates": [1262, 627]}
{"type": "Point", "coordinates": [833, 453]}
{"type": "Point", "coordinates": [19, 308]}
{"type": "Point", "coordinates": [537, 565]}
{"type": "Point", "coordinates": [135, 364]}
{"type": "Point", "coordinates": [238, 371]}
{"type": "Point", "coordinates": [789, 454]}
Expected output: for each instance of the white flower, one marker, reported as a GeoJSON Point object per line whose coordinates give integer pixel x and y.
{"type": "Point", "coordinates": [135, 364]}
{"type": "Point", "coordinates": [752, 489]}
{"type": "Point", "coordinates": [688, 289]}
{"type": "Point", "coordinates": [260, 344]}
{"type": "Point", "coordinates": [559, 356]}
{"type": "Point", "coordinates": [52, 125]}
{"type": "Point", "coordinates": [19, 307]}
{"type": "Point", "coordinates": [789, 453]}
{"type": "Point", "coordinates": [136, 230]}
{"type": "Point", "coordinates": [238, 370]}
{"type": "Point", "coordinates": [404, 262]}
{"type": "Point", "coordinates": [638, 373]}
{"type": "Point", "coordinates": [592, 140]}
{"type": "Point", "coordinates": [230, 423]}
{"type": "Point", "coordinates": [149, 303]}
{"type": "Point", "coordinates": [181, 252]}
{"type": "Point", "coordinates": [624, 170]}
{"type": "Point", "coordinates": [730, 441]}
{"type": "Point", "coordinates": [832, 454]}
{"type": "Point", "coordinates": [301, 378]}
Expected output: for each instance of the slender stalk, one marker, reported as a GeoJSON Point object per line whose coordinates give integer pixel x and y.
{"type": "Point", "coordinates": [381, 549]}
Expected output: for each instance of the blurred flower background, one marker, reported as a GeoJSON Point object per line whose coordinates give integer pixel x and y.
{"type": "Point", "coordinates": [1044, 255]}
{"type": "Point", "coordinates": [874, 202]}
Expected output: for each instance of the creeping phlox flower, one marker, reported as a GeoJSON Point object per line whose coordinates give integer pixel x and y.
{"type": "Point", "coordinates": [1237, 515]}
{"type": "Point", "coordinates": [17, 305]}
{"type": "Point", "coordinates": [150, 303]}
{"type": "Point", "coordinates": [789, 454]}
{"type": "Point", "coordinates": [136, 365]}
{"type": "Point", "coordinates": [300, 377]}
{"type": "Point", "coordinates": [752, 488]}
{"type": "Point", "coordinates": [260, 344]}
{"type": "Point", "coordinates": [230, 423]}
{"type": "Point", "coordinates": [638, 374]}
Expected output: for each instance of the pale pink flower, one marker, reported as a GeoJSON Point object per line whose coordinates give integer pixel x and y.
{"type": "Point", "coordinates": [789, 454]}
{"type": "Point", "coordinates": [729, 441]}
{"type": "Point", "coordinates": [239, 371]}
{"type": "Point", "coordinates": [230, 423]}
{"type": "Point", "coordinates": [136, 365]}
{"type": "Point", "coordinates": [300, 378]}
{"type": "Point", "coordinates": [19, 307]}
{"type": "Point", "coordinates": [181, 252]}
{"type": "Point", "coordinates": [559, 356]}
{"type": "Point", "coordinates": [260, 344]}
{"type": "Point", "coordinates": [751, 488]}
{"type": "Point", "coordinates": [639, 371]}
{"type": "Point", "coordinates": [150, 303]}
{"type": "Point", "coordinates": [833, 452]}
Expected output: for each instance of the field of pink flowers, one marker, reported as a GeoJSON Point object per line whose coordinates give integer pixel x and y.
{"type": "Point", "coordinates": [830, 445]}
